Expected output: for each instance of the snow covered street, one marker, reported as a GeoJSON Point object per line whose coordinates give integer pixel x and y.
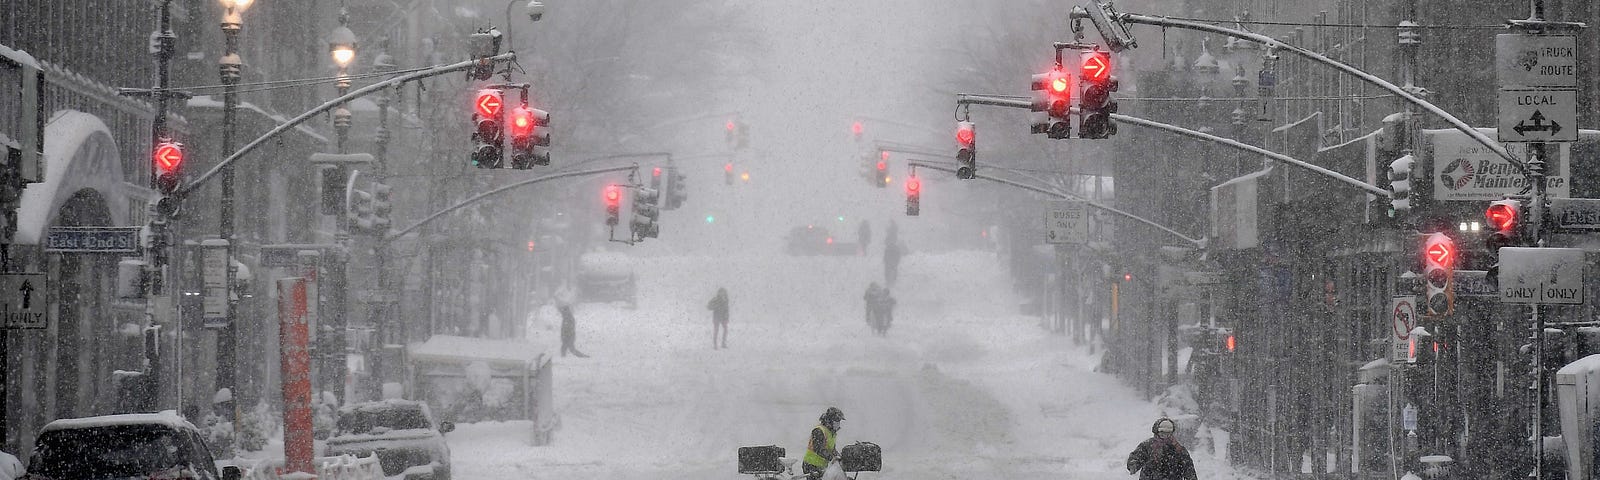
{"type": "Point", "coordinates": [958, 389]}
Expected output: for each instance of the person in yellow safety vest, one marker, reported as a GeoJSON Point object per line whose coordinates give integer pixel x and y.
{"type": "Point", "coordinates": [820, 447]}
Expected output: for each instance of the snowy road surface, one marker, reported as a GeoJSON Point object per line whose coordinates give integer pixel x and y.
{"type": "Point", "coordinates": [961, 388]}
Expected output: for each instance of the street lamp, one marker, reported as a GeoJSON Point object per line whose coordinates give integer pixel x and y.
{"type": "Point", "coordinates": [342, 45]}
{"type": "Point", "coordinates": [230, 67]}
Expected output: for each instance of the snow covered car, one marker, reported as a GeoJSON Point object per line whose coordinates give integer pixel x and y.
{"type": "Point", "coordinates": [607, 277]}
{"type": "Point", "coordinates": [142, 445]}
{"type": "Point", "coordinates": [402, 433]}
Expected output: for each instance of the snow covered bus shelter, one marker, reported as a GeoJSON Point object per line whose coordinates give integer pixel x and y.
{"type": "Point", "coordinates": [467, 379]}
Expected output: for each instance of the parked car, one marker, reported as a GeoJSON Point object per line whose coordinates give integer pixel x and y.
{"type": "Point", "coordinates": [607, 277]}
{"type": "Point", "coordinates": [144, 445]}
{"type": "Point", "coordinates": [402, 433]}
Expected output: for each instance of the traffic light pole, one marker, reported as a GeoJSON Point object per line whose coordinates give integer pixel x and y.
{"type": "Point", "coordinates": [1270, 42]}
{"type": "Point", "coordinates": [402, 232]}
{"type": "Point", "coordinates": [1196, 242]}
{"type": "Point", "coordinates": [1004, 101]}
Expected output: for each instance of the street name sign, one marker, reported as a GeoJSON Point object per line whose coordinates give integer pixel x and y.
{"type": "Point", "coordinates": [287, 254]}
{"type": "Point", "coordinates": [1067, 222]}
{"type": "Point", "coordinates": [1541, 275]}
{"type": "Point", "coordinates": [1203, 278]}
{"type": "Point", "coordinates": [1576, 213]}
{"type": "Point", "coordinates": [1538, 115]}
{"type": "Point", "coordinates": [24, 305]}
{"type": "Point", "coordinates": [1523, 60]}
{"type": "Point", "coordinates": [92, 240]}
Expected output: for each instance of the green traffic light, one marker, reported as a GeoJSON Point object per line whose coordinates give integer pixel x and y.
{"type": "Point", "coordinates": [710, 219]}
{"type": "Point", "coordinates": [841, 218]}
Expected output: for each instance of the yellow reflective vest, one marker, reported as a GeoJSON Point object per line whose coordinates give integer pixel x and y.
{"type": "Point", "coordinates": [812, 458]}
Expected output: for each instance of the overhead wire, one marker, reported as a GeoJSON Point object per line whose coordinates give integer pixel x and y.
{"type": "Point", "coordinates": [1344, 25]}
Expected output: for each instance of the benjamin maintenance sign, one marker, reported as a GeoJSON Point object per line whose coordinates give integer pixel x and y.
{"type": "Point", "coordinates": [1463, 170]}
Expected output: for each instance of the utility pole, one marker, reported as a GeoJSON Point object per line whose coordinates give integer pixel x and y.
{"type": "Point", "coordinates": [155, 254]}
{"type": "Point", "coordinates": [230, 67]}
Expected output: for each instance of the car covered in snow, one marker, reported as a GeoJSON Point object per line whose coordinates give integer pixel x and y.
{"type": "Point", "coordinates": [143, 445]}
{"type": "Point", "coordinates": [402, 433]}
{"type": "Point", "coordinates": [607, 277]}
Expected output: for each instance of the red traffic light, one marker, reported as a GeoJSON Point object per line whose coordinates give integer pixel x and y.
{"type": "Point", "coordinates": [613, 195]}
{"type": "Point", "coordinates": [1440, 251]}
{"type": "Point", "coordinates": [521, 122]}
{"type": "Point", "coordinates": [731, 126]}
{"type": "Point", "coordinates": [727, 167]}
{"type": "Point", "coordinates": [1230, 343]}
{"type": "Point", "coordinates": [882, 165]}
{"type": "Point", "coordinates": [856, 128]}
{"type": "Point", "coordinates": [1501, 216]}
{"type": "Point", "coordinates": [913, 185]}
{"type": "Point", "coordinates": [884, 154]}
{"type": "Point", "coordinates": [488, 103]}
{"type": "Point", "coordinates": [168, 157]}
{"type": "Point", "coordinates": [656, 172]}
{"type": "Point", "coordinates": [530, 245]}
{"type": "Point", "coordinates": [1127, 277]}
{"type": "Point", "coordinates": [964, 135]}
{"type": "Point", "coordinates": [1096, 66]}
{"type": "Point", "coordinates": [1059, 82]}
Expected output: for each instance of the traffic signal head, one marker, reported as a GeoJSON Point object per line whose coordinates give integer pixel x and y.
{"type": "Point", "coordinates": [1228, 344]}
{"type": "Point", "coordinates": [1096, 104]}
{"type": "Point", "coordinates": [486, 116]}
{"type": "Point", "coordinates": [967, 152]}
{"type": "Point", "coordinates": [361, 212]}
{"type": "Point", "coordinates": [167, 165]}
{"type": "Point", "coordinates": [1400, 185]}
{"type": "Point", "coordinates": [529, 129]}
{"type": "Point", "coordinates": [1505, 217]}
{"type": "Point", "coordinates": [382, 206]}
{"type": "Point", "coordinates": [645, 213]}
{"type": "Point", "coordinates": [655, 178]}
{"type": "Point", "coordinates": [856, 129]}
{"type": "Point", "coordinates": [675, 193]}
{"type": "Point", "coordinates": [1096, 66]}
{"type": "Point", "coordinates": [1055, 99]}
{"type": "Point", "coordinates": [1438, 273]}
{"type": "Point", "coordinates": [613, 198]}
{"type": "Point", "coordinates": [913, 196]}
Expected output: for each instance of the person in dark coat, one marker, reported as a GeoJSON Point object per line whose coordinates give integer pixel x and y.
{"type": "Point", "coordinates": [719, 318]}
{"type": "Point", "coordinates": [569, 323]}
{"type": "Point", "coordinates": [1162, 457]}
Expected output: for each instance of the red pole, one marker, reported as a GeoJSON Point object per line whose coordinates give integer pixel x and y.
{"type": "Point", "coordinates": [295, 362]}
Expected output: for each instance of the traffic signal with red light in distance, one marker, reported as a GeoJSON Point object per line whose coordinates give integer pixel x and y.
{"type": "Point", "coordinates": [1055, 100]}
{"type": "Point", "coordinates": [530, 134]}
{"type": "Point", "coordinates": [856, 129]}
{"type": "Point", "coordinates": [655, 178]}
{"type": "Point", "coordinates": [488, 134]}
{"type": "Point", "coordinates": [1096, 105]}
{"type": "Point", "coordinates": [1505, 217]}
{"type": "Point", "coordinates": [1228, 343]}
{"type": "Point", "coordinates": [167, 166]}
{"type": "Point", "coordinates": [1438, 273]}
{"type": "Point", "coordinates": [613, 198]}
{"type": "Point", "coordinates": [913, 196]}
{"type": "Point", "coordinates": [727, 173]}
{"type": "Point", "coordinates": [676, 192]}
{"type": "Point", "coordinates": [967, 152]}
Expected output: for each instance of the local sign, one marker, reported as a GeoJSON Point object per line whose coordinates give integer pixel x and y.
{"type": "Point", "coordinates": [1464, 170]}
{"type": "Point", "coordinates": [1067, 222]}
{"type": "Point", "coordinates": [1538, 115]}
{"type": "Point", "coordinates": [1541, 275]}
{"type": "Point", "coordinates": [92, 240]}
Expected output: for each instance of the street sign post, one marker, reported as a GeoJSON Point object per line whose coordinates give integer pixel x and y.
{"type": "Point", "coordinates": [1402, 318]}
{"type": "Point", "coordinates": [1538, 77]}
{"type": "Point", "coordinates": [1067, 222]}
{"type": "Point", "coordinates": [92, 240]}
{"type": "Point", "coordinates": [24, 305]}
{"type": "Point", "coordinates": [1524, 60]}
{"type": "Point", "coordinates": [1203, 278]}
{"type": "Point", "coordinates": [1541, 275]}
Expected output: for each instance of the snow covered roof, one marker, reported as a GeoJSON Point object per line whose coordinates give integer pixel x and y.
{"type": "Point", "coordinates": [167, 418]}
{"type": "Point", "coordinates": [18, 56]}
{"type": "Point", "coordinates": [450, 347]}
{"type": "Point", "coordinates": [1245, 178]}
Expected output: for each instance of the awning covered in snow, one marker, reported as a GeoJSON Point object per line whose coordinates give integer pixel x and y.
{"type": "Point", "coordinates": [450, 348]}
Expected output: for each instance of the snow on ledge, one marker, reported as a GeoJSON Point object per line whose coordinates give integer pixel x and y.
{"type": "Point", "coordinates": [450, 347]}
{"type": "Point", "coordinates": [167, 418]}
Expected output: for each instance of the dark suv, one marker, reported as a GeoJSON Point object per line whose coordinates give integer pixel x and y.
{"type": "Point", "coordinates": [401, 433]}
{"type": "Point", "coordinates": [156, 446]}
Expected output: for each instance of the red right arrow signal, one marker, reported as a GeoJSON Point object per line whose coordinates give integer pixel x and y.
{"type": "Point", "coordinates": [1097, 66]}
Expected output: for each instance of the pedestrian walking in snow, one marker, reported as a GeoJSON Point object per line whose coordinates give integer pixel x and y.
{"type": "Point", "coordinates": [569, 322]}
{"type": "Point", "coordinates": [1162, 457]}
{"type": "Point", "coordinates": [719, 318]}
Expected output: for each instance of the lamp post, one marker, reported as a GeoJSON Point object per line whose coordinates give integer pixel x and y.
{"type": "Point", "coordinates": [342, 46]}
{"type": "Point", "coordinates": [230, 67]}
{"type": "Point", "coordinates": [377, 314]}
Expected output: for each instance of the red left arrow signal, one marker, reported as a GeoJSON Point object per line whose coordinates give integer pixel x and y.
{"type": "Point", "coordinates": [168, 157]}
{"type": "Point", "coordinates": [489, 103]}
